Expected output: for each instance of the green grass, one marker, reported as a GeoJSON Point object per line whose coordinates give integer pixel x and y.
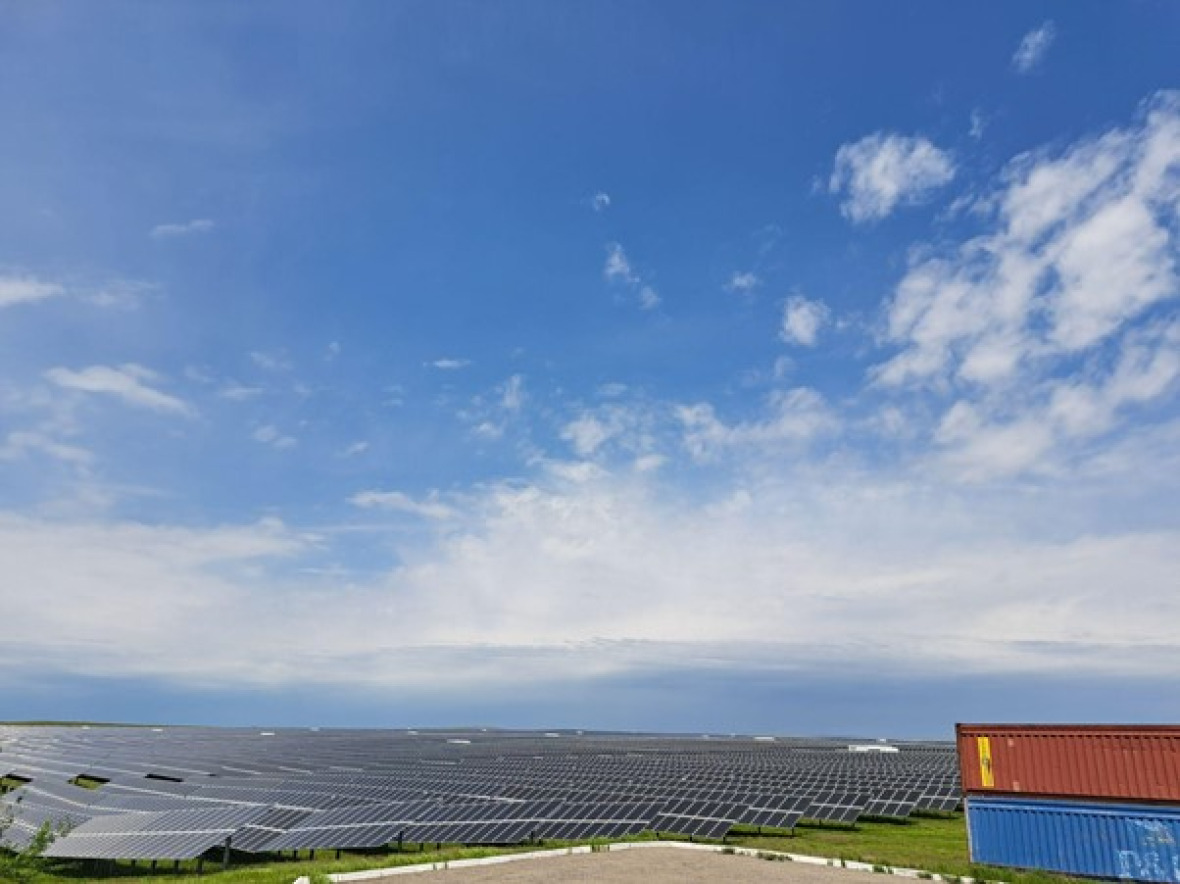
{"type": "Point", "coordinates": [87, 782]}
{"type": "Point", "coordinates": [921, 844]}
{"type": "Point", "coordinates": [252, 870]}
{"type": "Point", "coordinates": [934, 844]}
{"type": "Point", "coordinates": [256, 872]}
{"type": "Point", "coordinates": [931, 843]}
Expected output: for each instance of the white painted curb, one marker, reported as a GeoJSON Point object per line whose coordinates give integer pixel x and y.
{"type": "Point", "coordinates": [371, 874]}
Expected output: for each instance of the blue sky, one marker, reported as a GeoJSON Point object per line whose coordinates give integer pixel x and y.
{"type": "Point", "coordinates": [755, 366]}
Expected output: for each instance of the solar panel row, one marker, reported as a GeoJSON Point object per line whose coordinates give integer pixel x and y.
{"type": "Point", "coordinates": [172, 792]}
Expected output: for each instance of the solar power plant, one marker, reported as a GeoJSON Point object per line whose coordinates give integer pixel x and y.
{"type": "Point", "coordinates": [175, 793]}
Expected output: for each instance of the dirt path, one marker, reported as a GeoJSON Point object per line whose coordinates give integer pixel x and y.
{"type": "Point", "coordinates": [653, 865]}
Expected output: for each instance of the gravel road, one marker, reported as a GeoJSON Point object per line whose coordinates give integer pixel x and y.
{"type": "Point", "coordinates": [645, 866]}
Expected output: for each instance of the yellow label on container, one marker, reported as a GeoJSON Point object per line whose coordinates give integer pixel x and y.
{"type": "Point", "coordinates": [985, 762]}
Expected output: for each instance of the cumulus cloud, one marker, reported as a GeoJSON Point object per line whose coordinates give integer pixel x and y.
{"type": "Point", "coordinates": [802, 320]}
{"type": "Point", "coordinates": [885, 170]}
{"type": "Point", "coordinates": [624, 430]}
{"type": "Point", "coordinates": [1081, 244]}
{"type": "Point", "coordinates": [586, 573]}
{"type": "Point", "coordinates": [600, 202]}
{"type": "Point", "coordinates": [129, 383]}
{"type": "Point", "coordinates": [586, 434]}
{"type": "Point", "coordinates": [27, 289]}
{"type": "Point", "coordinates": [793, 417]}
{"type": "Point", "coordinates": [186, 228]}
{"type": "Point", "coordinates": [1033, 47]}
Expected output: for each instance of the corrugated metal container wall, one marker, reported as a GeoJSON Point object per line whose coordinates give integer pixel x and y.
{"type": "Point", "coordinates": [1137, 763]}
{"type": "Point", "coordinates": [1132, 842]}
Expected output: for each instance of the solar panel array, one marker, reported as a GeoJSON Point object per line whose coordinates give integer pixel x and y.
{"type": "Point", "coordinates": [176, 793]}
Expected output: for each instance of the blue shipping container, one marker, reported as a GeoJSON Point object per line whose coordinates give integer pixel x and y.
{"type": "Point", "coordinates": [1135, 842]}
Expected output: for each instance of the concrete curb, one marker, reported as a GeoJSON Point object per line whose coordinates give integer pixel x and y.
{"type": "Point", "coordinates": [371, 874]}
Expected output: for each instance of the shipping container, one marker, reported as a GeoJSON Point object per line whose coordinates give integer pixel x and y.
{"type": "Point", "coordinates": [1137, 842]}
{"type": "Point", "coordinates": [1124, 762]}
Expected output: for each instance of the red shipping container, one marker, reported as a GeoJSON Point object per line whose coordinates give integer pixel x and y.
{"type": "Point", "coordinates": [1127, 762]}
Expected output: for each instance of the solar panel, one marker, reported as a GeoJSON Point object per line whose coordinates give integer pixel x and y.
{"type": "Point", "coordinates": [472, 786]}
{"type": "Point", "coordinates": [257, 836]}
{"type": "Point", "coordinates": [571, 821]}
{"type": "Point", "coordinates": [27, 819]}
{"type": "Point", "coordinates": [892, 803]}
{"type": "Point", "coordinates": [364, 825]}
{"type": "Point", "coordinates": [705, 819]}
{"type": "Point", "coordinates": [836, 807]}
{"type": "Point", "coordinates": [473, 832]}
{"type": "Point", "coordinates": [182, 834]}
{"type": "Point", "coordinates": [774, 811]}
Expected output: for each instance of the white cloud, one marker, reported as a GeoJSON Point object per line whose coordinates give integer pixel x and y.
{"type": "Point", "coordinates": [431, 507]}
{"type": "Point", "coordinates": [743, 282]}
{"type": "Point", "coordinates": [794, 417]}
{"type": "Point", "coordinates": [648, 463]}
{"type": "Point", "coordinates": [126, 382]}
{"type": "Point", "coordinates": [1033, 47]}
{"type": "Point", "coordinates": [120, 294]}
{"type": "Point", "coordinates": [449, 364]}
{"type": "Point", "coordinates": [1082, 246]}
{"type": "Point", "coordinates": [582, 573]}
{"type": "Point", "coordinates": [512, 394]}
{"type": "Point", "coordinates": [354, 449]}
{"type": "Point", "coordinates": [620, 430]}
{"type": "Point", "coordinates": [26, 290]}
{"type": "Point", "coordinates": [268, 434]}
{"type": "Point", "coordinates": [187, 228]}
{"type": "Point", "coordinates": [586, 434]}
{"type": "Point", "coordinates": [617, 267]}
{"type": "Point", "coordinates": [885, 170]}
{"type": "Point", "coordinates": [117, 294]}
{"type": "Point", "coordinates": [20, 444]}
{"type": "Point", "coordinates": [802, 320]}
{"type": "Point", "coordinates": [618, 270]}
{"type": "Point", "coordinates": [488, 429]}
{"type": "Point", "coordinates": [600, 202]}
{"type": "Point", "coordinates": [978, 124]}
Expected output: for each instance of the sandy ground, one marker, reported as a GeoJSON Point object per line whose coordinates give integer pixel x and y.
{"type": "Point", "coordinates": [647, 866]}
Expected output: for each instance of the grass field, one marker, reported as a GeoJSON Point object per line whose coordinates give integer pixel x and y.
{"type": "Point", "coordinates": [929, 843]}
{"type": "Point", "coordinates": [934, 844]}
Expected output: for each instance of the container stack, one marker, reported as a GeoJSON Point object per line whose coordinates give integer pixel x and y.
{"type": "Point", "coordinates": [1095, 800]}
